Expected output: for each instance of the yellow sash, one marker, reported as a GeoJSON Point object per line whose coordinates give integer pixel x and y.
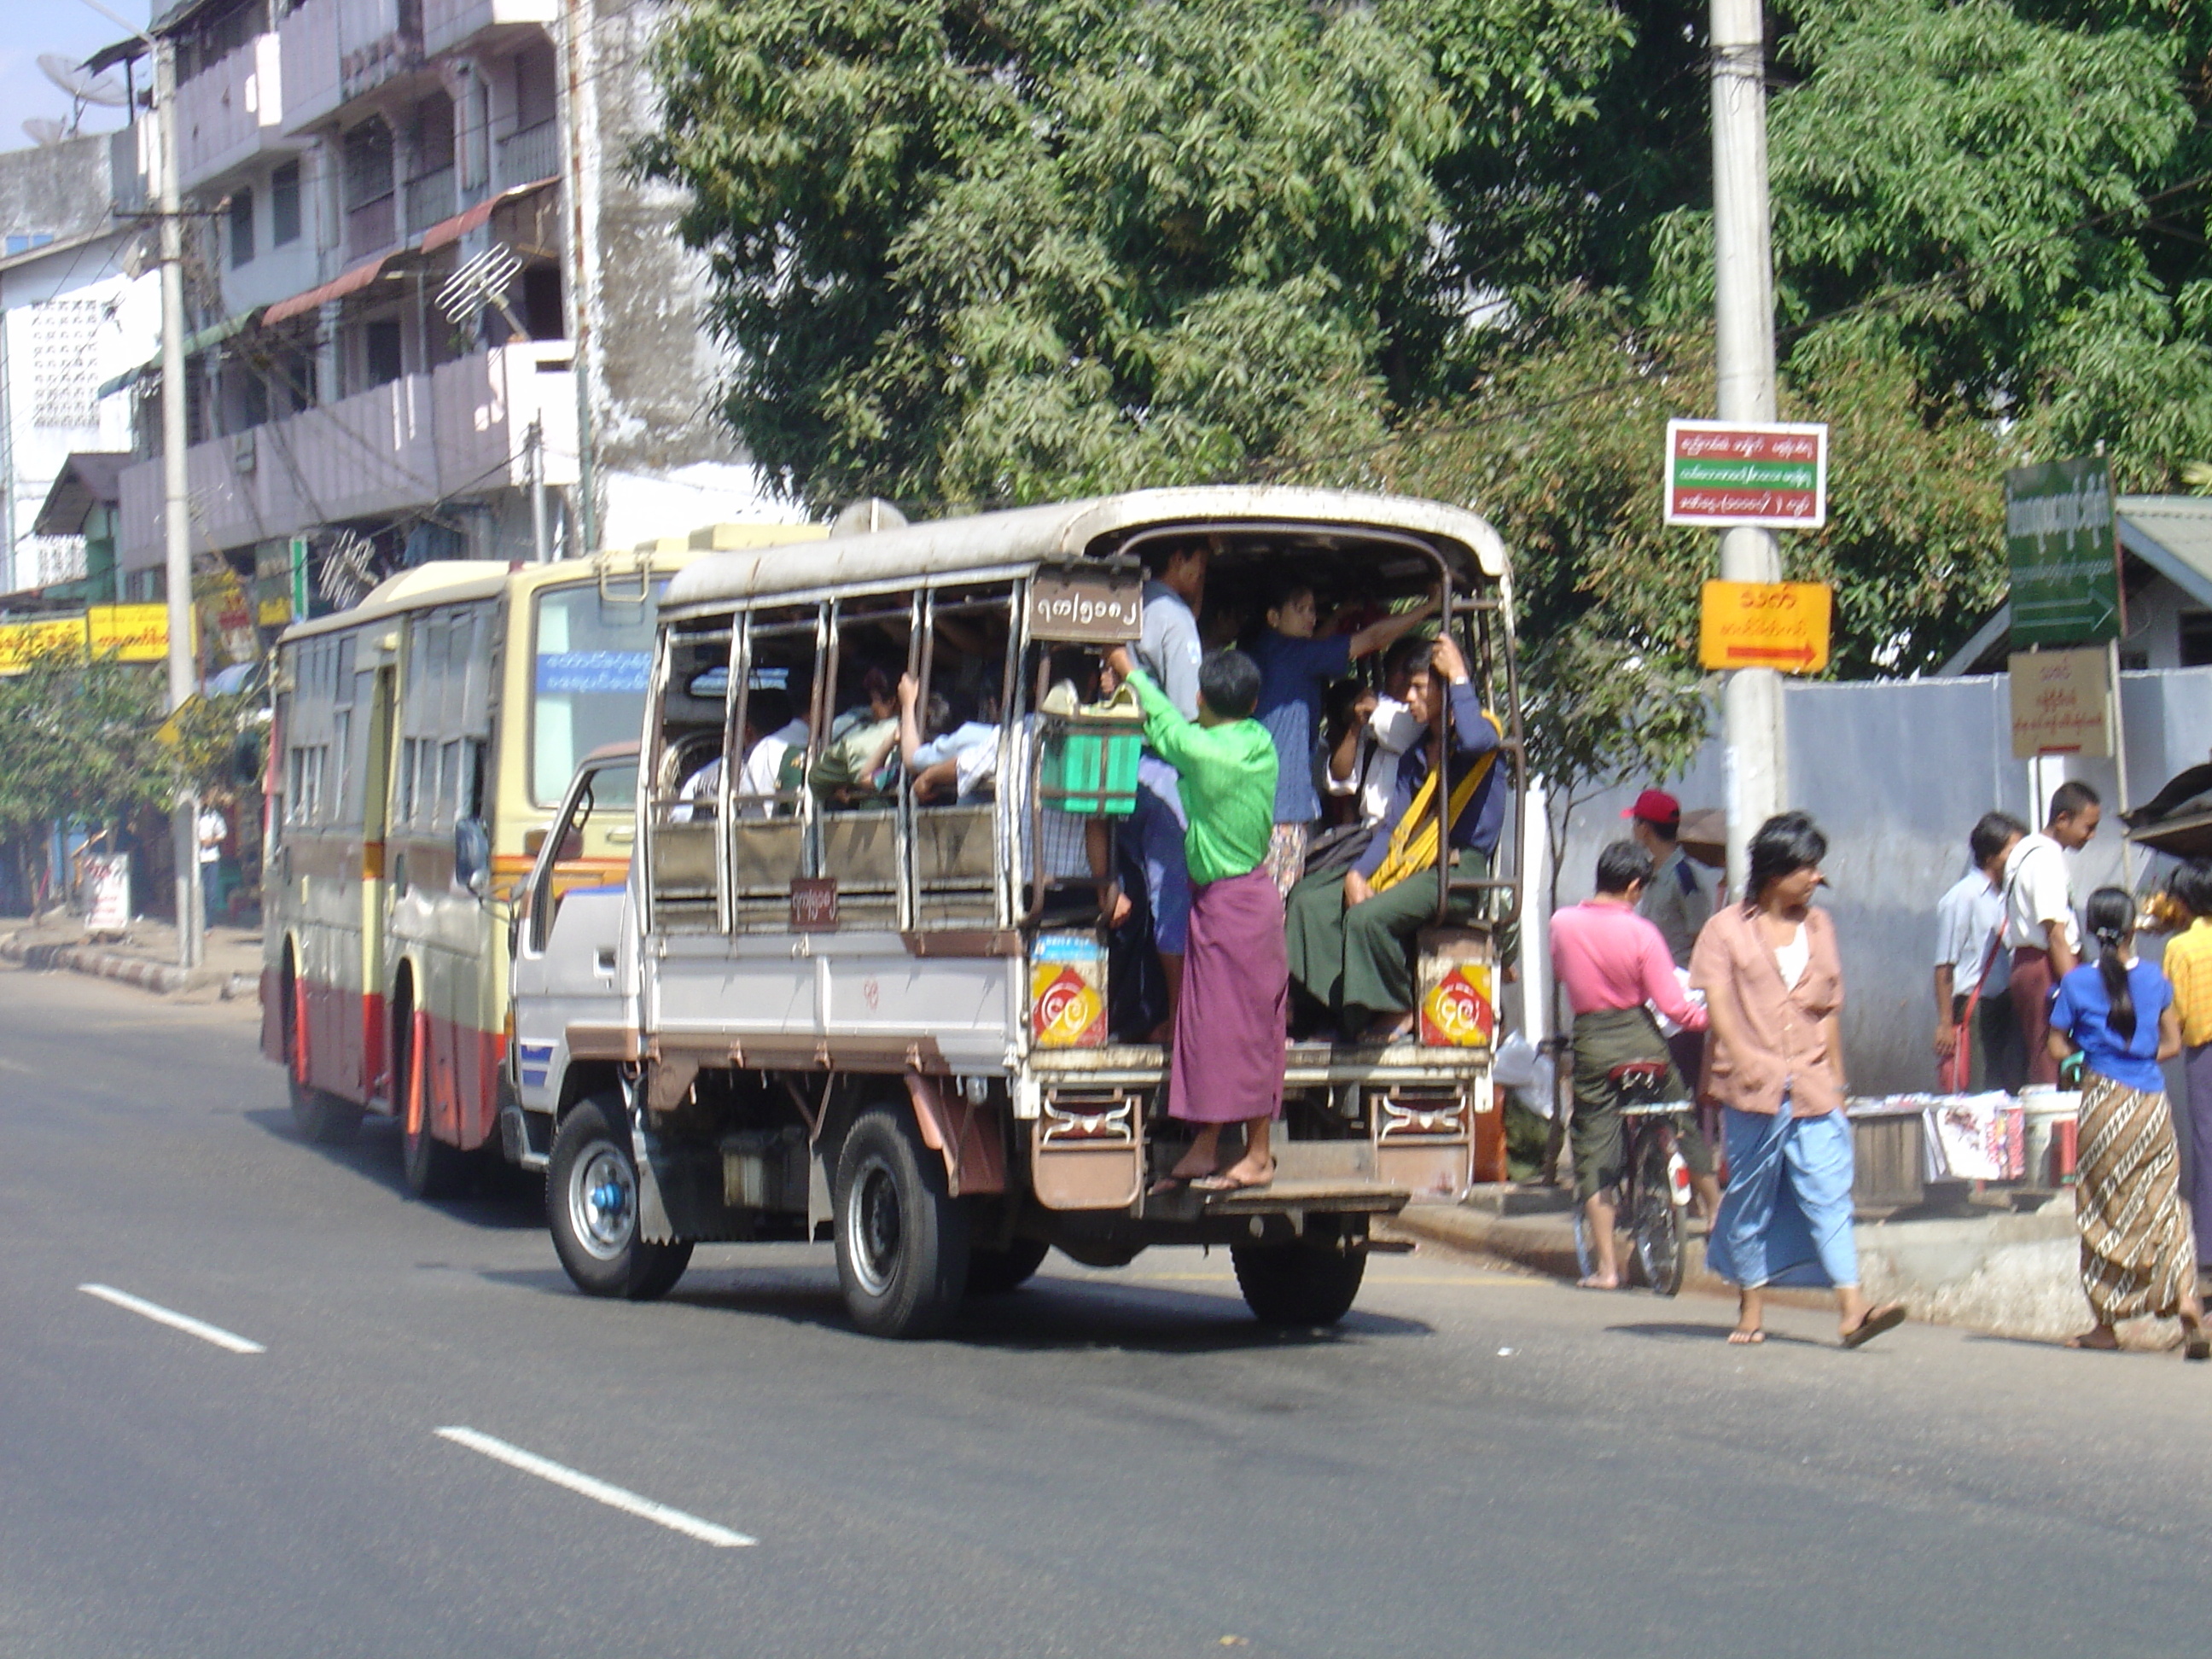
{"type": "Point", "coordinates": [1413, 842]}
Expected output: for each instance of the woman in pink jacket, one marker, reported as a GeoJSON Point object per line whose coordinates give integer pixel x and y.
{"type": "Point", "coordinates": [1773, 987]}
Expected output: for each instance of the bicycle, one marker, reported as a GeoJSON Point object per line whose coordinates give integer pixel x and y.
{"type": "Point", "coordinates": [1654, 1183]}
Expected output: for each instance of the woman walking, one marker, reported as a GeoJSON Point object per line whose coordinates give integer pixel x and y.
{"type": "Point", "coordinates": [1773, 986]}
{"type": "Point", "coordinates": [2136, 1257]}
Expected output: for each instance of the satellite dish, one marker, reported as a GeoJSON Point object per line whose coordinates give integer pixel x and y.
{"type": "Point", "coordinates": [81, 84]}
{"type": "Point", "coordinates": [44, 130]}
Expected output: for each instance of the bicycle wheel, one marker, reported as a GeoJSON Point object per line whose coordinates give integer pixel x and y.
{"type": "Point", "coordinates": [1585, 1251]}
{"type": "Point", "coordinates": [1655, 1221]}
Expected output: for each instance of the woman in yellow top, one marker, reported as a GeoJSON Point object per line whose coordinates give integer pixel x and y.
{"type": "Point", "coordinates": [1227, 1067]}
{"type": "Point", "coordinates": [2188, 968]}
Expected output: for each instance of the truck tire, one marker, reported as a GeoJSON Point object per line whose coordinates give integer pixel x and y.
{"type": "Point", "coordinates": [1310, 1281]}
{"type": "Point", "coordinates": [591, 1209]}
{"type": "Point", "coordinates": [902, 1239]}
{"type": "Point", "coordinates": [995, 1273]}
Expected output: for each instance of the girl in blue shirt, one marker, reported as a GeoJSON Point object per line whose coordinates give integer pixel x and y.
{"type": "Point", "coordinates": [2136, 1255]}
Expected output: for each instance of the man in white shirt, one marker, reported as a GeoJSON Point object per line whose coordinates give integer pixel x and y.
{"type": "Point", "coordinates": [773, 765]}
{"type": "Point", "coordinates": [2039, 928]}
{"type": "Point", "coordinates": [1969, 926]}
{"type": "Point", "coordinates": [213, 830]}
{"type": "Point", "coordinates": [1364, 764]}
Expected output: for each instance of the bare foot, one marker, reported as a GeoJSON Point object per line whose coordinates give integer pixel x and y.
{"type": "Point", "coordinates": [2100, 1338]}
{"type": "Point", "coordinates": [1746, 1336]}
{"type": "Point", "coordinates": [1600, 1282]}
{"type": "Point", "coordinates": [1388, 1027]}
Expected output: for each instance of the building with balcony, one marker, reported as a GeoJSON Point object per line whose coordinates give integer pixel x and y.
{"type": "Point", "coordinates": [386, 276]}
{"type": "Point", "coordinates": [72, 315]}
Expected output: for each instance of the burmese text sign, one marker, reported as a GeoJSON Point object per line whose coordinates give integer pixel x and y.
{"type": "Point", "coordinates": [1723, 475]}
{"type": "Point", "coordinates": [1764, 625]}
{"type": "Point", "coordinates": [2064, 559]}
{"type": "Point", "coordinates": [2062, 702]}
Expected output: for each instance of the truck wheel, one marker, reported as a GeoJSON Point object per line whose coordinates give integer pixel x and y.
{"type": "Point", "coordinates": [591, 1207]}
{"type": "Point", "coordinates": [901, 1239]}
{"type": "Point", "coordinates": [1310, 1281]}
{"type": "Point", "coordinates": [995, 1272]}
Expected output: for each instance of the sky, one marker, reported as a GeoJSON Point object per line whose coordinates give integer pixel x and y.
{"type": "Point", "coordinates": [28, 28]}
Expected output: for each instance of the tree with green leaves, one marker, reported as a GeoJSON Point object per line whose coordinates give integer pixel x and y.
{"type": "Point", "coordinates": [79, 744]}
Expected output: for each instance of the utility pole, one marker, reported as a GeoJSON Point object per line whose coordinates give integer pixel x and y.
{"type": "Point", "coordinates": [176, 521]}
{"type": "Point", "coordinates": [541, 548]}
{"type": "Point", "coordinates": [581, 133]}
{"type": "Point", "coordinates": [1743, 330]}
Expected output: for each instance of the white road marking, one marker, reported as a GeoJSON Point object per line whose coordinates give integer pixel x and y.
{"type": "Point", "coordinates": [599, 1491]}
{"type": "Point", "coordinates": [174, 1320]}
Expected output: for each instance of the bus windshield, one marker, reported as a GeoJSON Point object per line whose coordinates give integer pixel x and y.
{"type": "Point", "coordinates": [594, 658]}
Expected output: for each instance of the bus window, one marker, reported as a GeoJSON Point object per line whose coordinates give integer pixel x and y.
{"type": "Point", "coordinates": [593, 657]}
{"type": "Point", "coordinates": [687, 766]}
{"type": "Point", "coordinates": [953, 776]}
{"type": "Point", "coordinates": [771, 720]}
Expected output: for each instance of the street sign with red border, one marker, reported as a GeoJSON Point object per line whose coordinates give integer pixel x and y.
{"type": "Point", "coordinates": [1724, 474]}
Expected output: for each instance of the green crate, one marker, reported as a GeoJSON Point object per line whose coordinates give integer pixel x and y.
{"type": "Point", "coordinates": [1090, 768]}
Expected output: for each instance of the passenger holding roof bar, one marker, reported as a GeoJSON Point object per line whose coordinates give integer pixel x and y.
{"type": "Point", "coordinates": [1348, 937]}
{"type": "Point", "coordinates": [1227, 1064]}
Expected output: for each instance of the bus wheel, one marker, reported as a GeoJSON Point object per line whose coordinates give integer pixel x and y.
{"type": "Point", "coordinates": [995, 1272]}
{"type": "Point", "coordinates": [322, 1118]}
{"type": "Point", "coordinates": [591, 1206]}
{"type": "Point", "coordinates": [1310, 1281]}
{"type": "Point", "coordinates": [433, 1169]}
{"type": "Point", "coordinates": [902, 1239]}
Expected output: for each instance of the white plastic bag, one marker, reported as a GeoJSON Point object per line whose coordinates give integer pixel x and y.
{"type": "Point", "coordinates": [1514, 1065]}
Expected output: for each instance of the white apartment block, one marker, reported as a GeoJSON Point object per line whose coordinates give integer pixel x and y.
{"type": "Point", "coordinates": [343, 159]}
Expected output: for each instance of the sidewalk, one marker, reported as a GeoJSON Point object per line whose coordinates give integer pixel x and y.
{"type": "Point", "coordinates": [147, 957]}
{"type": "Point", "coordinates": [1983, 1269]}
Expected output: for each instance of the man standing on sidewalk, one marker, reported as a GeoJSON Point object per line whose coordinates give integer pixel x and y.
{"type": "Point", "coordinates": [213, 830]}
{"type": "Point", "coordinates": [1613, 963]}
{"type": "Point", "coordinates": [2040, 931]}
{"type": "Point", "coordinates": [1969, 926]}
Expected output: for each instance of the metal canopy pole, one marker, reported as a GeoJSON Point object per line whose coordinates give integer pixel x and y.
{"type": "Point", "coordinates": [1743, 330]}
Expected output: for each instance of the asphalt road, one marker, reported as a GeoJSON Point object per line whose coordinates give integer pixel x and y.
{"type": "Point", "coordinates": [1102, 1464]}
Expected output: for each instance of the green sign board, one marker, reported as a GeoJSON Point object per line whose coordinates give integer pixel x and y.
{"type": "Point", "coordinates": [2065, 562]}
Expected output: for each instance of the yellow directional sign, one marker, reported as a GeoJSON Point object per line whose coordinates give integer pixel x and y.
{"type": "Point", "coordinates": [1764, 625]}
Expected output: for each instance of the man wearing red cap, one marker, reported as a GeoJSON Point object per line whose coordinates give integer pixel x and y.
{"type": "Point", "coordinates": [1675, 899]}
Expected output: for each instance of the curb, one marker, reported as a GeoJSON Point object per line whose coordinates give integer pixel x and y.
{"type": "Point", "coordinates": [160, 978]}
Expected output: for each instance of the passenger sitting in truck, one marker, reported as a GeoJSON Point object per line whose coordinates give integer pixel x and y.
{"type": "Point", "coordinates": [1349, 935]}
{"type": "Point", "coordinates": [859, 741]}
{"type": "Point", "coordinates": [930, 751]}
{"type": "Point", "coordinates": [1227, 1063]}
{"type": "Point", "coordinates": [775, 762]}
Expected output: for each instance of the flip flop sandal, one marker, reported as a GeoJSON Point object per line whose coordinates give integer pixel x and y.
{"type": "Point", "coordinates": [1877, 1320]}
{"type": "Point", "coordinates": [1746, 1339]}
{"type": "Point", "coordinates": [1228, 1183]}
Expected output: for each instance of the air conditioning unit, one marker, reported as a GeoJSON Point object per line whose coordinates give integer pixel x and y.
{"type": "Point", "coordinates": [243, 451]}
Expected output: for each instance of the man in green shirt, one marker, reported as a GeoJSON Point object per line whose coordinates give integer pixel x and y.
{"type": "Point", "coordinates": [1227, 1065]}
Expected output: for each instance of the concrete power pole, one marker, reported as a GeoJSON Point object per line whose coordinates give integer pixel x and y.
{"type": "Point", "coordinates": [1743, 328]}
{"type": "Point", "coordinates": [176, 521]}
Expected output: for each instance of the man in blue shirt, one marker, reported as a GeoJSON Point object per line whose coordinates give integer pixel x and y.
{"type": "Point", "coordinates": [1295, 669]}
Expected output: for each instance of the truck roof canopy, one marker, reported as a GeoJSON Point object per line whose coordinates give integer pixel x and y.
{"type": "Point", "coordinates": [1011, 541]}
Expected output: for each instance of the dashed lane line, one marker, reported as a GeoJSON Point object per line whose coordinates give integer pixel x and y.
{"type": "Point", "coordinates": [599, 1491]}
{"type": "Point", "coordinates": [221, 1338]}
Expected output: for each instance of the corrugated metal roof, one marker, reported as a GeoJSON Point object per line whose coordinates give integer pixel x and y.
{"type": "Point", "coordinates": [1024, 537]}
{"type": "Point", "coordinates": [2173, 534]}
